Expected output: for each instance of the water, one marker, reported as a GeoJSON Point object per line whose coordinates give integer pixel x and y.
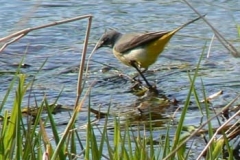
{"type": "Point", "coordinates": [61, 46]}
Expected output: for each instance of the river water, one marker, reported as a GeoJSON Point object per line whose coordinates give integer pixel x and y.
{"type": "Point", "coordinates": [61, 45]}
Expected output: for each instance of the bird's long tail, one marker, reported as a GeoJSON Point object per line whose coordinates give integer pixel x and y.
{"type": "Point", "coordinates": [186, 24]}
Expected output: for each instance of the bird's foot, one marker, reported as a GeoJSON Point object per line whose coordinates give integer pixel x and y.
{"type": "Point", "coordinates": [153, 90]}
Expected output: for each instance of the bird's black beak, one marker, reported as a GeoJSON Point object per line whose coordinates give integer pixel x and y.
{"type": "Point", "coordinates": [99, 44]}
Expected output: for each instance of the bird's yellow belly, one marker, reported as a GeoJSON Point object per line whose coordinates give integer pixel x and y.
{"type": "Point", "coordinates": [145, 55]}
{"type": "Point", "coordinates": [139, 55]}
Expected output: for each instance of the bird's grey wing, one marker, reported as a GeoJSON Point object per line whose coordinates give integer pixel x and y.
{"type": "Point", "coordinates": [130, 41]}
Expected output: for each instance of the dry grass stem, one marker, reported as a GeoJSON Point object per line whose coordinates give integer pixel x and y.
{"type": "Point", "coordinates": [215, 134]}
{"type": "Point", "coordinates": [17, 35]}
{"type": "Point", "coordinates": [221, 39]}
{"type": "Point", "coordinates": [82, 63]}
{"type": "Point", "coordinates": [199, 128]}
{"type": "Point", "coordinates": [210, 46]}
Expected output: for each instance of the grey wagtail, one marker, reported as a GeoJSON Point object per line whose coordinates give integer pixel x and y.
{"type": "Point", "coordinates": [139, 50]}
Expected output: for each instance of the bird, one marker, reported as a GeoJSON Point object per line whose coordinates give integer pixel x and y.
{"type": "Point", "coordinates": [138, 50]}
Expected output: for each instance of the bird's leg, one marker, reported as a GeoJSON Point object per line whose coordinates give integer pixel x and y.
{"type": "Point", "coordinates": [133, 63]}
{"type": "Point", "coordinates": [145, 69]}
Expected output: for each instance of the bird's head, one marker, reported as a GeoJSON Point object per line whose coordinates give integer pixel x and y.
{"type": "Point", "coordinates": [108, 39]}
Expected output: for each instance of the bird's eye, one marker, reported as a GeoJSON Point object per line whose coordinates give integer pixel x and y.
{"type": "Point", "coordinates": [105, 39]}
